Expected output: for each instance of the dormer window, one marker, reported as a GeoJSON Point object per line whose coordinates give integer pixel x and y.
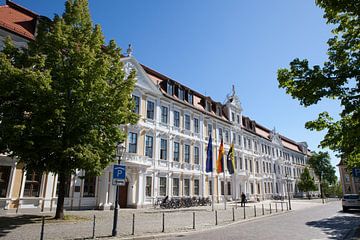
{"type": "Point", "coordinates": [218, 111]}
{"type": "Point", "coordinates": [208, 106]}
{"type": "Point", "coordinates": [181, 94]}
{"type": "Point", "coordinates": [170, 88]}
{"type": "Point", "coordinates": [190, 98]}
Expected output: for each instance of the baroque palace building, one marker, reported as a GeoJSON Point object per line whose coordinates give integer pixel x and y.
{"type": "Point", "coordinates": [165, 150]}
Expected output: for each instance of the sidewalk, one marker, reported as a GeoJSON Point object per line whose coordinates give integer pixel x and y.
{"type": "Point", "coordinates": [148, 222]}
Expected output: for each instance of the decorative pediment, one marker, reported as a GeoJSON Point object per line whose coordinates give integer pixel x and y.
{"type": "Point", "coordinates": [142, 80]}
{"type": "Point", "coordinates": [233, 100]}
{"type": "Point", "coordinates": [275, 137]}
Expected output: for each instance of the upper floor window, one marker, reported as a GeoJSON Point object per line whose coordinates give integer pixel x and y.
{"type": "Point", "coordinates": [196, 125]}
{"type": "Point", "coordinates": [170, 89]}
{"type": "Point", "coordinates": [239, 140]}
{"type": "Point", "coordinates": [190, 98]}
{"type": "Point", "coordinates": [219, 111]}
{"type": "Point", "coordinates": [208, 106]}
{"type": "Point", "coordinates": [181, 94]}
{"type": "Point", "coordinates": [132, 142]}
{"type": "Point", "coordinates": [176, 151]}
{"type": "Point", "coordinates": [149, 146]}
{"type": "Point", "coordinates": [187, 153]}
{"type": "Point", "coordinates": [164, 114]}
{"type": "Point", "coordinates": [150, 110]}
{"type": "Point", "coordinates": [137, 104]}
{"type": "Point", "coordinates": [209, 129]}
{"type": "Point", "coordinates": [163, 149]}
{"type": "Point", "coordinates": [233, 117]}
{"type": "Point", "coordinates": [226, 135]}
{"type": "Point", "coordinates": [176, 119]}
{"type": "Point", "coordinates": [238, 119]}
{"type": "Point", "coordinates": [220, 133]}
{"type": "Point", "coordinates": [196, 155]}
{"type": "Point", "coordinates": [187, 122]}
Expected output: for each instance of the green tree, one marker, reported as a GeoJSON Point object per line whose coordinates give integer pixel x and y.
{"type": "Point", "coordinates": [338, 78]}
{"type": "Point", "coordinates": [306, 182]}
{"type": "Point", "coordinates": [63, 99]}
{"type": "Point", "coordinates": [320, 163]}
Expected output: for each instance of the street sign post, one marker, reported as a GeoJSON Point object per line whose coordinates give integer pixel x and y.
{"type": "Point", "coordinates": [119, 174]}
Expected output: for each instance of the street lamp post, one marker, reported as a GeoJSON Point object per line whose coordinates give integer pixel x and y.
{"type": "Point", "coordinates": [120, 149]}
{"type": "Point", "coordinates": [287, 188]}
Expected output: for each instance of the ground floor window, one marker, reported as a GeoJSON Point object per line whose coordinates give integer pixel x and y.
{"type": "Point", "coordinates": [196, 186]}
{"type": "Point", "coordinates": [229, 188]}
{"type": "Point", "coordinates": [67, 186]}
{"type": "Point", "coordinates": [89, 186]}
{"type": "Point", "coordinates": [210, 188]}
{"type": "Point", "coordinates": [162, 186]}
{"type": "Point", "coordinates": [175, 187]}
{"type": "Point", "coordinates": [4, 179]}
{"type": "Point", "coordinates": [252, 188]}
{"type": "Point", "coordinates": [32, 184]}
{"type": "Point", "coordinates": [258, 187]}
{"type": "Point", "coordinates": [222, 187]}
{"type": "Point", "coordinates": [148, 186]}
{"type": "Point", "coordinates": [186, 187]}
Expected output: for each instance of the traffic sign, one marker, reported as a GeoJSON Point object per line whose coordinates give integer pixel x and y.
{"type": "Point", "coordinates": [119, 174]}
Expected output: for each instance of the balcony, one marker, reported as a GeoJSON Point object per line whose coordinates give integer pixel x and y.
{"type": "Point", "coordinates": [137, 160]}
{"type": "Point", "coordinates": [186, 166]}
{"type": "Point", "coordinates": [176, 165]}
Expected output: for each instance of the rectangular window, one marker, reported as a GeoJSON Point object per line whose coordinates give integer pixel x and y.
{"type": "Point", "coordinates": [238, 119]}
{"type": "Point", "coordinates": [4, 180]}
{"type": "Point", "coordinates": [196, 187]}
{"type": "Point", "coordinates": [241, 163]}
{"type": "Point", "coordinates": [209, 129]}
{"type": "Point", "coordinates": [222, 188]}
{"type": "Point", "coordinates": [163, 149]}
{"type": "Point", "coordinates": [250, 165]}
{"type": "Point", "coordinates": [226, 136]}
{"type": "Point", "coordinates": [175, 187]}
{"type": "Point", "coordinates": [228, 188]}
{"type": "Point", "coordinates": [264, 170]}
{"type": "Point", "coordinates": [187, 153]}
{"type": "Point", "coordinates": [176, 151]}
{"type": "Point", "coordinates": [181, 94]}
{"type": "Point", "coordinates": [148, 189]}
{"type": "Point", "coordinates": [132, 142]}
{"type": "Point", "coordinates": [149, 146]}
{"type": "Point", "coordinates": [137, 104]}
{"type": "Point", "coordinates": [164, 114]}
{"type": "Point", "coordinates": [162, 186]}
{"type": "Point", "coordinates": [196, 125]}
{"type": "Point", "coordinates": [252, 188]}
{"type": "Point", "coordinates": [190, 98]}
{"type": "Point", "coordinates": [196, 155]}
{"type": "Point", "coordinates": [233, 138]}
{"type": "Point", "coordinates": [170, 89]}
{"type": "Point", "coordinates": [249, 144]}
{"type": "Point", "coordinates": [257, 167]}
{"type": "Point", "coordinates": [150, 110]}
{"type": "Point", "coordinates": [239, 140]}
{"type": "Point", "coordinates": [220, 133]}
{"type": "Point", "coordinates": [187, 122]}
{"type": "Point", "coordinates": [89, 186]}
{"type": "Point", "coordinates": [187, 187]}
{"type": "Point", "coordinates": [67, 186]}
{"type": "Point", "coordinates": [176, 119]}
{"type": "Point", "coordinates": [32, 185]}
{"type": "Point", "coordinates": [246, 164]}
{"type": "Point", "coordinates": [233, 117]}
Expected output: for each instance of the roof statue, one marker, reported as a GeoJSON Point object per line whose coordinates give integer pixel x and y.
{"type": "Point", "coordinates": [129, 50]}
{"type": "Point", "coordinates": [233, 100]}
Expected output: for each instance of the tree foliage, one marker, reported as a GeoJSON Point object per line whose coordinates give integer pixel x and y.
{"type": "Point", "coordinates": [63, 99]}
{"type": "Point", "coordinates": [338, 78]}
{"type": "Point", "coordinates": [306, 182]}
{"type": "Point", "coordinates": [320, 163]}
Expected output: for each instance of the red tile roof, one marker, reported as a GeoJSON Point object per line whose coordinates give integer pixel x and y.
{"type": "Point", "coordinates": [18, 20]}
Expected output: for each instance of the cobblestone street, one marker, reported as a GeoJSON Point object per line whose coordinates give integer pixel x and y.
{"type": "Point", "coordinates": [147, 221]}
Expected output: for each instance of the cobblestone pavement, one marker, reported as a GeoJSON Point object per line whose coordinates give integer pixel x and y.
{"type": "Point", "coordinates": [147, 221]}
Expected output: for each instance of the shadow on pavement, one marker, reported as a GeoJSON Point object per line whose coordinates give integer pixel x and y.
{"type": "Point", "coordinates": [338, 227]}
{"type": "Point", "coordinates": [8, 223]}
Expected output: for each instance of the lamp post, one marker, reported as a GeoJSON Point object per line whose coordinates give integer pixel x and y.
{"type": "Point", "coordinates": [287, 188]}
{"type": "Point", "coordinates": [120, 149]}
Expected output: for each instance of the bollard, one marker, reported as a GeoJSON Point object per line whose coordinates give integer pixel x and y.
{"type": "Point", "coordinates": [42, 228]}
{"type": "Point", "coordinates": [163, 223]}
{"type": "Point", "coordinates": [270, 207]}
{"type": "Point", "coordinates": [244, 213]}
{"type": "Point", "coordinates": [236, 204]}
{"type": "Point", "coordinates": [133, 225]}
{"type": "Point", "coordinates": [94, 224]}
{"type": "Point", "coordinates": [276, 207]}
{"type": "Point", "coordinates": [233, 211]}
{"type": "Point", "coordinates": [215, 217]}
{"type": "Point", "coordinates": [282, 207]}
{"type": "Point", "coordinates": [193, 220]}
{"type": "Point", "coordinates": [254, 211]}
{"type": "Point", "coordinates": [287, 207]}
{"type": "Point", "coordinates": [263, 212]}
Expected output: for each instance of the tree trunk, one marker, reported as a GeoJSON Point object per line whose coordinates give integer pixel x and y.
{"type": "Point", "coordinates": [61, 195]}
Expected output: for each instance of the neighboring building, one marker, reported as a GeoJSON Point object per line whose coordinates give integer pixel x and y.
{"type": "Point", "coordinates": [166, 150]}
{"type": "Point", "coordinates": [350, 181]}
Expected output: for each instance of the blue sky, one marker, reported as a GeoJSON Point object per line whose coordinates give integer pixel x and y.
{"type": "Point", "coordinates": [209, 45]}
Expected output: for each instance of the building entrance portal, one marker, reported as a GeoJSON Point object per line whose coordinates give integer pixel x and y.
{"type": "Point", "coordinates": [123, 190]}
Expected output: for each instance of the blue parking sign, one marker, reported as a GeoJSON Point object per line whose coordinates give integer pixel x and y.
{"type": "Point", "coordinates": [119, 172]}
